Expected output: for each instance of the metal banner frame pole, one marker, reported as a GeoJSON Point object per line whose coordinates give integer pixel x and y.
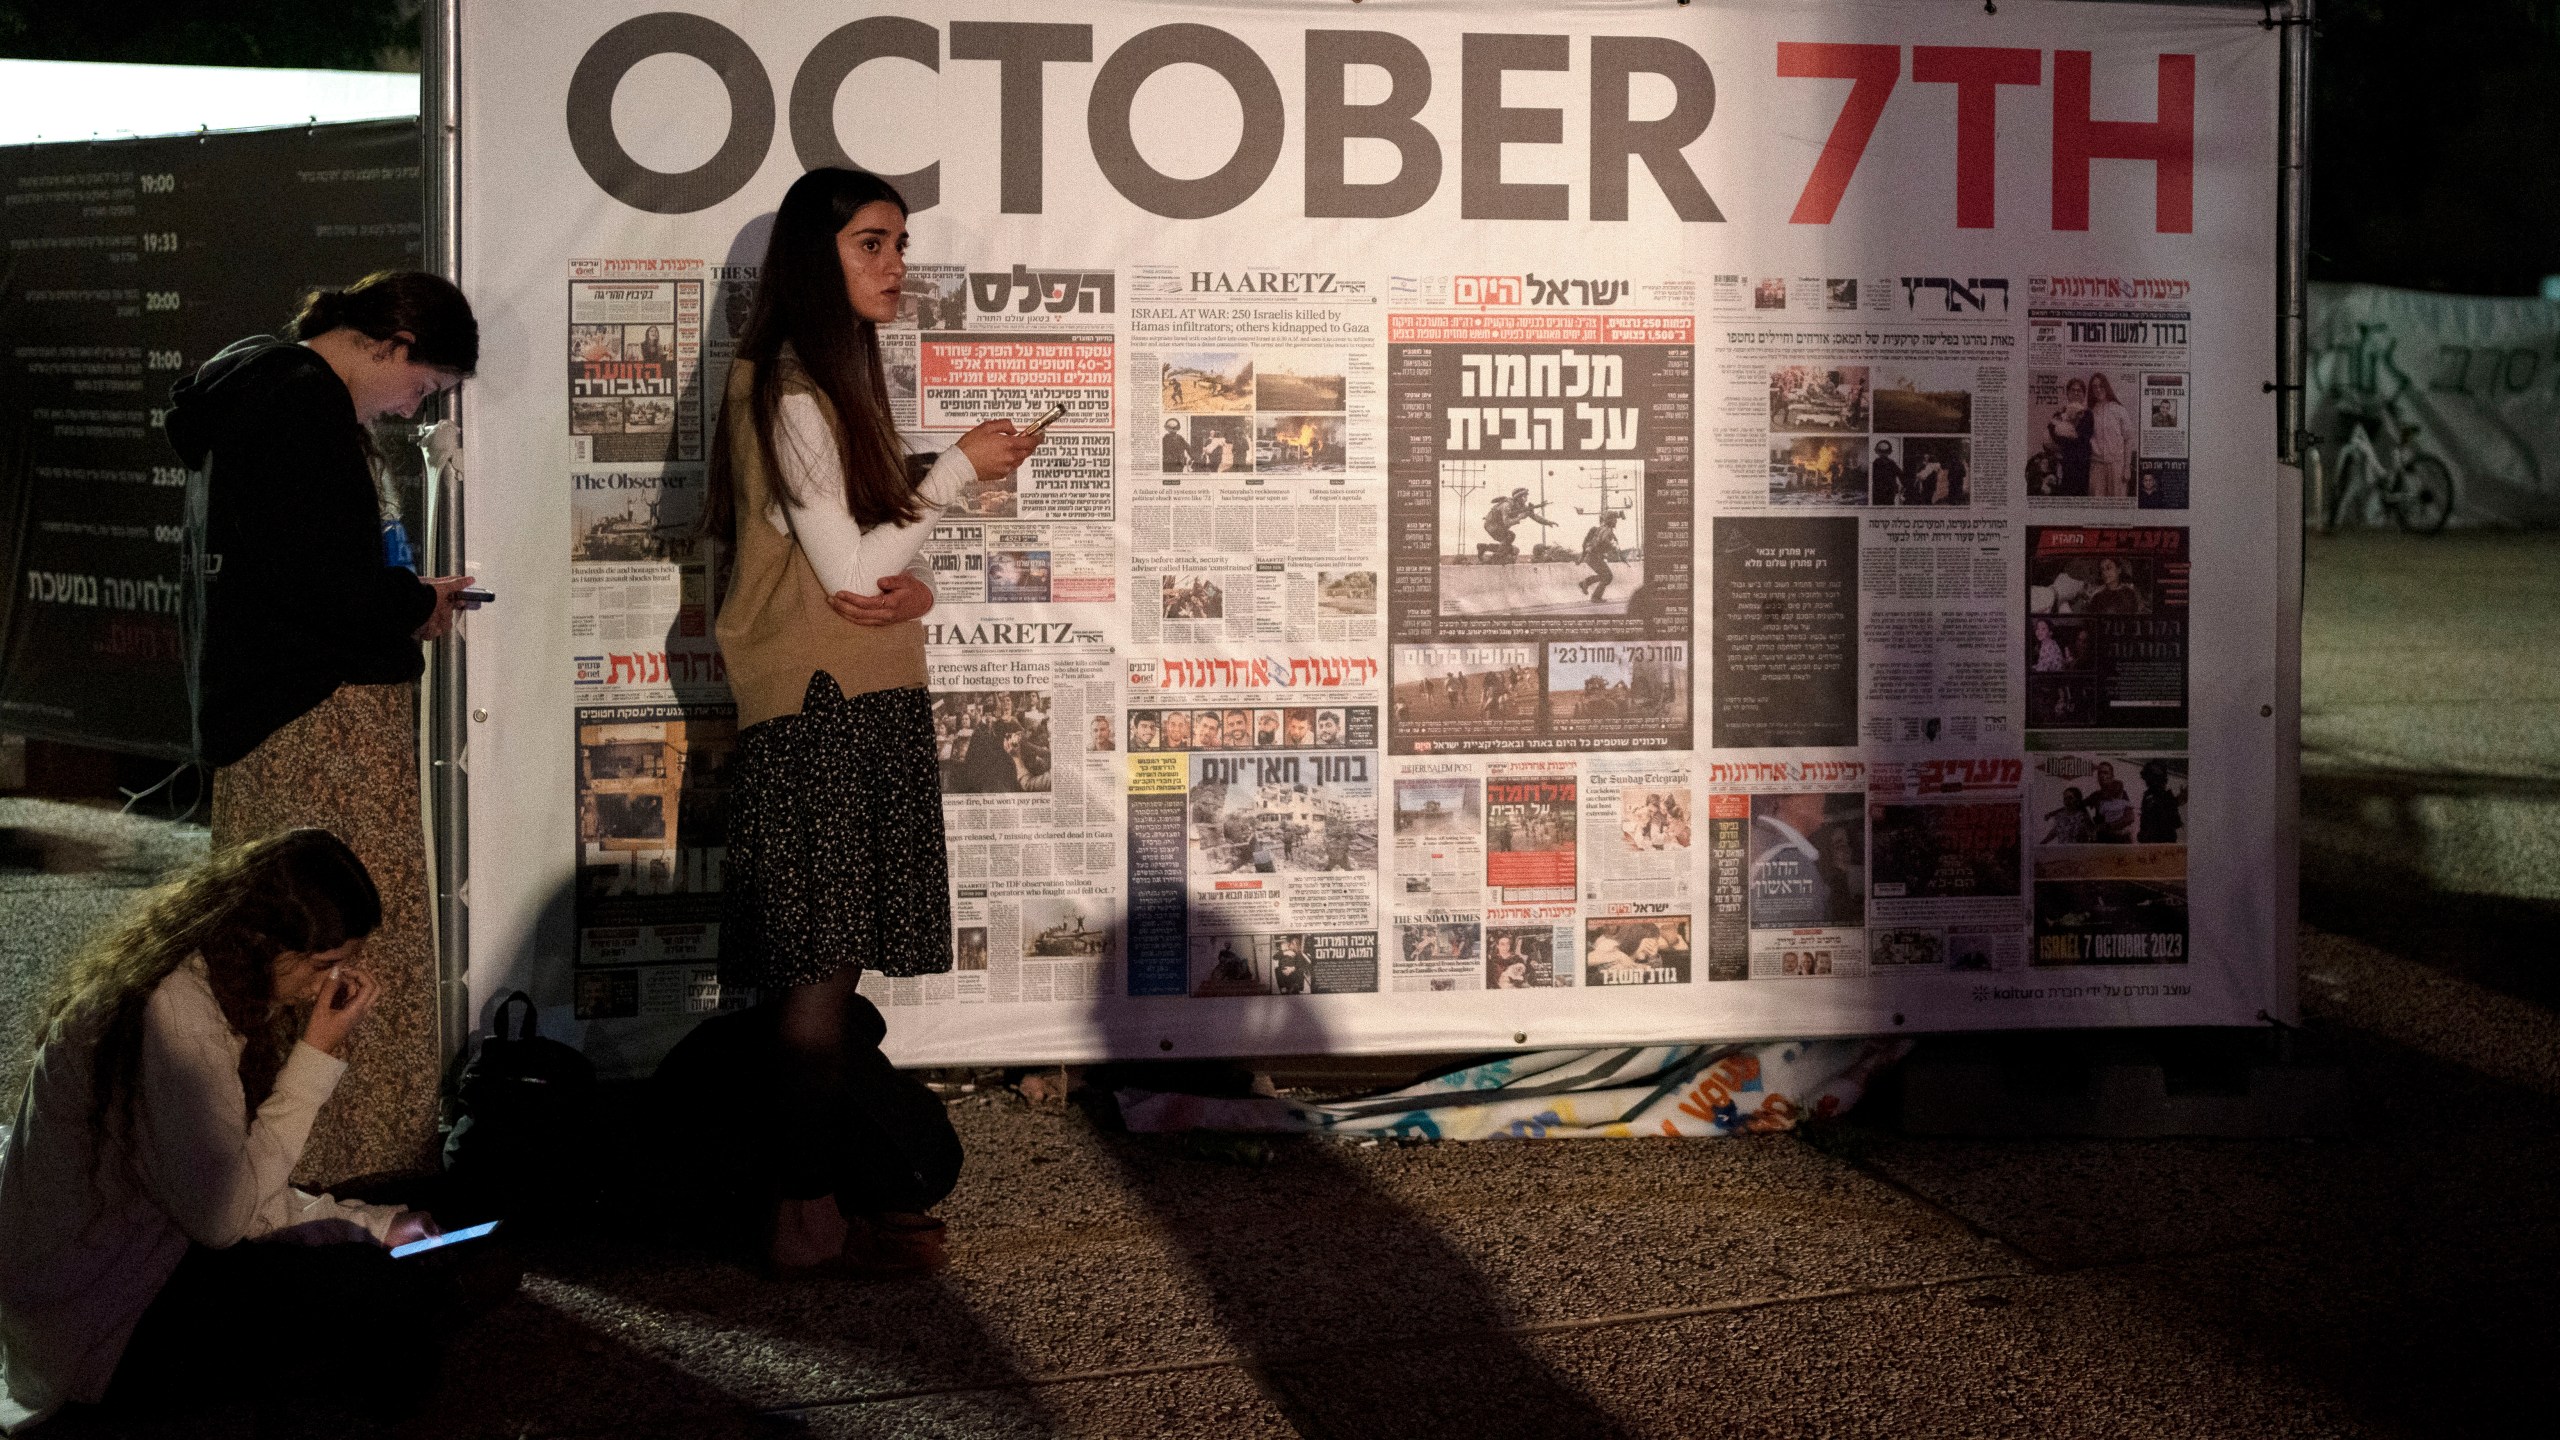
{"type": "Point", "coordinates": [443, 698]}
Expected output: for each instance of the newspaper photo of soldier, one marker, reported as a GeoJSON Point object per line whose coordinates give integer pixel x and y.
{"type": "Point", "coordinates": [992, 742]}
{"type": "Point", "coordinates": [1821, 469]}
{"type": "Point", "coordinates": [1206, 444]}
{"type": "Point", "coordinates": [1829, 399]}
{"type": "Point", "coordinates": [1580, 521]}
{"type": "Point", "coordinates": [1466, 683]}
{"type": "Point", "coordinates": [1207, 383]}
{"type": "Point", "coordinates": [1650, 951]}
{"type": "Point", "coordinates": [1523, 957]}
{"type": "Point", "coordinates": [1347, 592]}
{"type": "Point", "coordinates": [1589, 687]}
{"type": "Point", "coordinates": [1282, 813]}
{"type": "Point", "coordinates": [1653, 819]}
{"type": "Point", "coordinates": [1298, 444]}
{"type": "Point", "coordinates": [1537, 493]}
{"type": "Point", "coordinates": [1285, 381]}
{"type": "Point", "coordinates": [1438, 805]}
{"type": "Point", "coordinates": [1062, 928]}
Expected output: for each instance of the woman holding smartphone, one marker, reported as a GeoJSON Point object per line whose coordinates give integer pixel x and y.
{"type": "Point", "coordinates": [151, 1241]}
{"type": "Point", "coordinates": [835, 817]}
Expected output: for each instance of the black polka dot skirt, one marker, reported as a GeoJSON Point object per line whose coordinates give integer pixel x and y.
{"type": "Point", "coordinates": [835, 843]}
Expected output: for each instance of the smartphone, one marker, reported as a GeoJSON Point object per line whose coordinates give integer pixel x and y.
{"type": "Point", "coordinates": [438, 1242]}
{"type": "Point", "coordinates": [1048, 417]}
{"type": "Point", "coordinates": [474, 598]}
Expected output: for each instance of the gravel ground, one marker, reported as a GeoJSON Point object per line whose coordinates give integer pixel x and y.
{"type": "Point", "coordinates": [1849, 1281]}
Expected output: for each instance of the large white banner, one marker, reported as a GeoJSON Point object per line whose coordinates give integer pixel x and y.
{"type": "Point", "coordinates": [1574, 523]}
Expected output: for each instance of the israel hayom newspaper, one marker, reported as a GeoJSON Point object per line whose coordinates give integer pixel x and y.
{"type": "Point", "coordinates": [1860, 575]}
{"type": "Point", "coordinates": [1255, 458]}
{"type": "Point", "coordinates": [653, 727]}
{"type": "Point", "coordinates": [2107, 392]}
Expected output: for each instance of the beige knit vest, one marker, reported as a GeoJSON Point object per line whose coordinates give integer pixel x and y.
{"type": "Point", "coordinates": [776, 628]}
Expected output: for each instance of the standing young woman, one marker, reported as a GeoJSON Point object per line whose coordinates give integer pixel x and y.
{"type": "Point", "coordinates": [835, 816]}
{"type": "Point", "coordinates": [151, 1241]}
{"type": "Point", "coordinates": [304, 599]}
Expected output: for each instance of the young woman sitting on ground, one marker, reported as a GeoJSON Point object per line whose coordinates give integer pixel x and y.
{"type": "Point", "coordinates": [152, 1246]}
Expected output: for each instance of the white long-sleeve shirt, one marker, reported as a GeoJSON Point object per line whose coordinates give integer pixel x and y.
{"type": "Point", "coordinates": [88, 1238]}
{"type": "Point", "coordinates": [846, 556]}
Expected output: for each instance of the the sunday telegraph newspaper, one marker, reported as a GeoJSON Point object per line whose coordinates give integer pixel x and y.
{"type": "Point", "coordinates": [1767, 606]}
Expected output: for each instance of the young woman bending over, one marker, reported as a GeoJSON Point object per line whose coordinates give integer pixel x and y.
{"type": "Point", "coordinates": [835, 820]}
{"type": "Point", "coordinates": [151, 1241]}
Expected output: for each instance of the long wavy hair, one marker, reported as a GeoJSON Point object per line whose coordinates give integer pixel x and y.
{"type": "Point", "coordinates": [800, 303]}
{"type": "Point", "coordinates": [303, 891]}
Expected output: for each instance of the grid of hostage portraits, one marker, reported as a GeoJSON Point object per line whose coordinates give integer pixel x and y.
{"type": "Point", "coordinates": [1341, 639]}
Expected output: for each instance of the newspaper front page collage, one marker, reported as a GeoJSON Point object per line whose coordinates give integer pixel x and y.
{"type": "Point", "coordinates": [1368, 633]}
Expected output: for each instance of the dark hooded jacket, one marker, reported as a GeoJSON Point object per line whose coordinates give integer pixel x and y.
{"type": "Point", "coordinates": [298, 599]}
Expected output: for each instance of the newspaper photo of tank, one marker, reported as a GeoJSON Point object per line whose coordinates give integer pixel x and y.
{"type": "Point", "coordinates": [1463, 682]}
{"type": "Point", "coordinates": [1058, 928]}
{"type": "Point", "coordinates": [619, 516]}
{"type": "Point", "coordinates": [1540, 537]}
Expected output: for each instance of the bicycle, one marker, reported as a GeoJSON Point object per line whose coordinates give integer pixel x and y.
{"type": "Point", "coordinates": [2417, 489]}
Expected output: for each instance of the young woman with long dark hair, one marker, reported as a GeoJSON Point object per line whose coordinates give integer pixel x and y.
{"type": "Point", "coordinates": [151, 1241]}
{"type": "Point", "coordinates": [835, 848]}
{"type": "Point", "coordinates": [302, 598]}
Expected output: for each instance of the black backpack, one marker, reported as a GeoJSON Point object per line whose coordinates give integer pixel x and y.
{"type": "Point", "coordinates": [525, 1145]}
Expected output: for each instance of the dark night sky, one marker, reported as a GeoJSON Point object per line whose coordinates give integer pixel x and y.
{"type": "Point", "coordinates": [2436, 159]}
